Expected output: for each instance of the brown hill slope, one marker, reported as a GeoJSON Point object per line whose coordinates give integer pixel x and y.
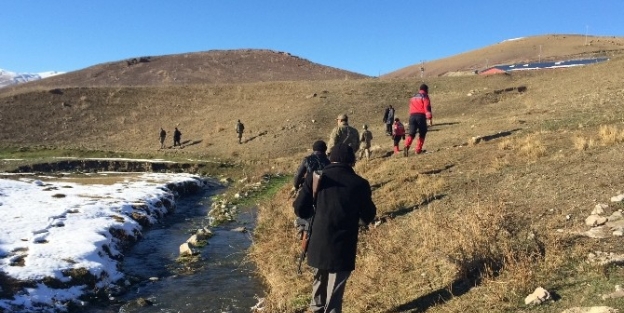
{"type": "Point", "coordinates": [508, 209]}
{"type": "Point", "coordinates": [211, 67]}
{"type": "Point", "coordinates": [526, 49]}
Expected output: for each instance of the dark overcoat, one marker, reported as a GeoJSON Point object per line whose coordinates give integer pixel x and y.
{"type": "Point", "coordinates": [344, 198]}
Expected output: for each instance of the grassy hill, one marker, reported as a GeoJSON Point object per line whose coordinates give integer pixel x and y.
{"type": "Point", "coordinates": [495, 209]}
{"type": "Point", "coordinates": [520, 50]}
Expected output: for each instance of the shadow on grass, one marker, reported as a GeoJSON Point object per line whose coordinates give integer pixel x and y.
{"type": "Point", "coordinates": [499, 135]}
{"type": "Point", "coordinates": [403, 211]}
{"type": "Point", "coordinates": [438, 171]}
{"type": "Point", "coordinates": [471, 277]}
{"type": "Point", "coordinates": [254, 137]}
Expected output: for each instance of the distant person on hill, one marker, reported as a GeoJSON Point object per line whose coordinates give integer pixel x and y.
{"type": "Point", "coordinates": [398, 133]}
{"type": "Point", "coordinates": [343, 133]}
{"type": "Point", "coordinates": [420, 112]}
{"type": "Point", "coordinates": [177, 136]}
{"type": "Point", "coordinates": [365, 140]}
{"type": "Point", "coordinates": [240, 128]}
{"type": "Point", "coordinates": [341, 201]}
{"type": "Point", "coordinates": [163, 135]}
{"type": "Point", "coordinates": [388, 119]}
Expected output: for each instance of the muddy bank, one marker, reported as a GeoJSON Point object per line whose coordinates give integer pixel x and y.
{"type": "Point", "coordinates": [119, 165]}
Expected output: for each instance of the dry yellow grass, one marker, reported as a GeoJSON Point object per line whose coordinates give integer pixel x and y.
{"type": "Point", "coordinates": [469, 227]}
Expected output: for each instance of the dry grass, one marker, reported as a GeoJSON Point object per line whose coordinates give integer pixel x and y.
{"type": "Point", "coordinates": [469, 227]}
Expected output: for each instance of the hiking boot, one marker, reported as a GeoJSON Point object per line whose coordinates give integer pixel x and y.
{"type": "Point", "coordinates": [418, 151]}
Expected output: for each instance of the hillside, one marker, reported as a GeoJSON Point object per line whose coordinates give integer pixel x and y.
{"type": "Point", "coordinates": [495, 208]}
{"type": "Point", "coordinates": [520, 50]}
{"type": "Point", "coordinates": [210, 67]}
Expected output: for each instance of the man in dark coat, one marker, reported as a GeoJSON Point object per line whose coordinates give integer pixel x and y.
{"type": "Point", "coordinates": [388, 119]}
{"type": "Point", "coordinates": [177, 136]}
{"type": "Point", "coordinates": [313, 162]}
{"type": "Point", "coordinates": [163, 135]}
{"type": "Point", "coordinates": [343, 200]}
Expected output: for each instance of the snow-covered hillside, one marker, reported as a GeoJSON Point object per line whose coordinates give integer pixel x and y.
{"type": "Point", "coordinates": [8, 78]}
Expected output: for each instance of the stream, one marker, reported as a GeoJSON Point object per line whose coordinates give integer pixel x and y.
{"type": "Point", "coordinates": [224, 281]}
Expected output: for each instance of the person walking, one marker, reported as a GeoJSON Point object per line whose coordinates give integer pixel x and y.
{"type": "Point", "coordinates": [343, 133]}
{"type": "Point", "coordinates": [240, 128]}
{"type": "Point", "coordinates": [163, 135]}
{"type": "Point", "coordinates": [313, 162]}
{"type": "Point", "coordinates": [388, 119]}
{"type": "Point", "coordinates": [398, 133]}
{"type": "Point", "coordinates": [177, 136]}
{"type": "Point", "coordinates": [420, 112]}
{"type": "Point", "coordinates": [365, 139]}
{"type": "Point", "coordinates": [343, 199]}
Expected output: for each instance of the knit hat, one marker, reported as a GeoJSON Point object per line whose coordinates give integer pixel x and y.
{"type": "Point", "coordinates": [319, 145]}
{"type": "Point", "coordinates": [424, 87]}
{"type": "Point", "coordinates": [342, 153]}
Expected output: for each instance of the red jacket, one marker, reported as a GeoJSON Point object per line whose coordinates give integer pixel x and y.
{"type": "Point", "coordinates": [398, 129]}
{"type": "Point", "coordinates": [420, 103]}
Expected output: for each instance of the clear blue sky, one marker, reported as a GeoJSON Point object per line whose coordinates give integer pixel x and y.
{"type": "Point", "coordinates": [371, 37]}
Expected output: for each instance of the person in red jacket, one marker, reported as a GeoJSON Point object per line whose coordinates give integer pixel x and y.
{"type": "Point", "coordinates": [398, 133]}
{"type": "Point", "coordinates": [420, 112]}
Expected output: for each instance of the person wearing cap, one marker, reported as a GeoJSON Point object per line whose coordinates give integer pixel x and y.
{"type": "Point", "coordinates": [313, 162]}
{"type": "Point", "coordinates": [343, 133]}
{"type": "Point", "coordinates": [365, 140]}
{"type": "Point", "coordinates": [343, 199]}
{"type": "Point", "coordinates": [420, 112]}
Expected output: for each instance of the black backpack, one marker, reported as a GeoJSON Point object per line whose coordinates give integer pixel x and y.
{"type": "Point", "coordinates": [314, 163]}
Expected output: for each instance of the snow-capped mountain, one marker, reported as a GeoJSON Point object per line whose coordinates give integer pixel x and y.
{"type": "Point", "coordinates": [8, 78]}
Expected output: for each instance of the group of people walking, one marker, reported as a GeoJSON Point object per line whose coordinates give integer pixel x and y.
{"type": "Point", "coordinates": [177, 136]}
{"type": "Point", "coordinates": [332, 205]}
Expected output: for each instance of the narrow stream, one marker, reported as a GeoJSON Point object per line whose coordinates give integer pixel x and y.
{"type": "Point", "coordinates": [224, 281]}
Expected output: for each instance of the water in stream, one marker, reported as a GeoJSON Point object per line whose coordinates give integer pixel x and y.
{"type": "Point", "coordinates": [224, 282]}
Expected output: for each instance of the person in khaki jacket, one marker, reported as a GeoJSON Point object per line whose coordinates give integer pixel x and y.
{"type": "Point", "coordinates": [344, 134]}
{"type": "Point", "coordinates": [365, 143]}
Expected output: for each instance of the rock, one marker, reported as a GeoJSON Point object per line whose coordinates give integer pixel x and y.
{"type": "Point", "coordinates": [241, 229]}
{"type": "Point", "coordinates": [193, 240]}
{"type": "Point", "coordinates": [594, 309]}
{"type": "Point", "coordinates": [595, 220]}
{"type": "Point", "coordinates": [616, 216]}
{"type": "Point", "coordinates": [539, 296]}
{"type": "Point", "coordinates": [618, 293]}
{"type": "Point", "coordinates": [203, 233]}
{"type": "Point", "coordinates": [618, 198]}
{"type": "Point", "coordinates": [187, 249]}
{"type": "Point", "coordinates": [599, 209]}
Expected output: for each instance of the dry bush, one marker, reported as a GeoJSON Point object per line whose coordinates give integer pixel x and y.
{"type": "Point", "coordinates": [432, 249]}
{"type": "Point", "coordinates": [506, 144]}
{"type": "Point", "coordinates": [582, 144]}
{"type": "Point", "coordinates": [532, 148]}
{"type": "Point", "coordinates": [609, 135]}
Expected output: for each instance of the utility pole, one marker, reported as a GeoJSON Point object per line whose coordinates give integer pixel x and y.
{"type": "Point", "coordinates": [539, 57]}
{"type": "Point", "coordinates": [586, 31]}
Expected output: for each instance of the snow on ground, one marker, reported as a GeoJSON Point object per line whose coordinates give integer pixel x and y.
{"type": "Point", "coordinates": [47, 228]}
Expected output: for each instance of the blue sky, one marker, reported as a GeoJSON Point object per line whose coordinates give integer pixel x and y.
{"type": "Point", "coordinates": [364, 36]}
